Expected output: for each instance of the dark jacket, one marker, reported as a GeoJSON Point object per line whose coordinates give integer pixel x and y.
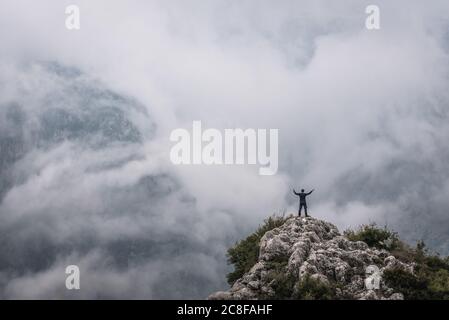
{"type": "Point", "coordinates": [302, 196]}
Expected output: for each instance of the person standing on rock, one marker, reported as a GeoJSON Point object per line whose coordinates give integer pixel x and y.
{"type": "Point", "coordinates": [302, 200]}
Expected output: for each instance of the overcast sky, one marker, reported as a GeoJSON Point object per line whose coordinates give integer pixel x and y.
{"type": "Point", "coordinates": [85, 119]}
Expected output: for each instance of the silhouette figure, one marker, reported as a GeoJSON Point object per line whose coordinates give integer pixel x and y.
{"type": "Point", "coordinates": [302, 200]}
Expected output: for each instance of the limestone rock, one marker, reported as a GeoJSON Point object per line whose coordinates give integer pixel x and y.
{"type": "Point", "coordinates": [314, 248]}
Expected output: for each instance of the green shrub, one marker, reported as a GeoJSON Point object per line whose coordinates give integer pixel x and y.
{"type": "Point", "coordinates": [404, 253]}
{"type": "Point", "coordinates": [286, 286]}
{"type": "Point", "coordinates": [430, 279]}
{"type": "Point", "coordinates": [413, 287]}
{"type": "Point", "coordinates": [313, 289]}
{"type": "Point", "coordinates": [435, 262]}
{"type": "Point", "coordinates": [283, 284]}
{"type": "Point", "coordinates": [439, 284]}
{"type": "Point", "coordinates": [373, 236]}
{"type": "Point", "coordinates": [245, 253]}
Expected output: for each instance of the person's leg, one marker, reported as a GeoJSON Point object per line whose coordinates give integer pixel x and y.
{"type": "Point", "coordinates": [302, 205]}
{"type": "Point", "coordinates": [299, 210]}
{"type": "Point", "coordinates": [305, 210]}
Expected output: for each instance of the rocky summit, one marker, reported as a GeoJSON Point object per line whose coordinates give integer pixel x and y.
{"type": "Point", "coordinates": [308, 252]}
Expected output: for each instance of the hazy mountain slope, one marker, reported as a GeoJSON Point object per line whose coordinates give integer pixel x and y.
{"type": "Point", "coordinates": [79, 185]}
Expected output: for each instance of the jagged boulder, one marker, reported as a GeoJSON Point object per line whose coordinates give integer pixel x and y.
{"type": "Point", "coordinates": [310, 252]}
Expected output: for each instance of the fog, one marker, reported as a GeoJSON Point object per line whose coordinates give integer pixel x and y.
{"type": "Point", "coordinates": [86, 115]}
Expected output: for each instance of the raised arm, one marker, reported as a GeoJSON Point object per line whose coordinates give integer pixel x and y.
{"type": "Point", "coordinates": [295, 192]}
{"type": "Point", "coordinates": [310, 192]}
